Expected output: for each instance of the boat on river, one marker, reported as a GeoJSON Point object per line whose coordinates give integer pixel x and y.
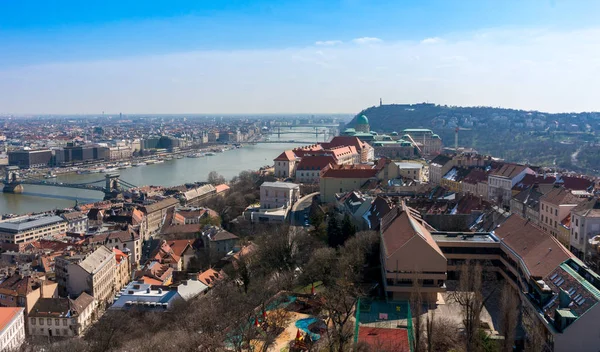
{"type": "Point", "coordinates": [141, 163]}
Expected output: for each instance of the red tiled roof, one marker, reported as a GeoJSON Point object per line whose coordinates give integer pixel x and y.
{"type": "Point", "coordinates": [180, 229]}
{"type": "Point", "coordinates": [288, 155]}
{"type": "Point", "coordinates": [509, 170]}
{"type": "Point", "coordinates": [398, 227]}
{"type": "Point", "coordinates": [7, 314]}
{"type": "Point", "coordinates": [559, 196]}
{"type": "Point", "coordinates": [540, 252]}
{"type": "Point", "coordinates": [345, 140]}
{"type": "Point", "coordinates": [475, 176]}
{"type": "Point", "coordinates": [575, 183]}
{"type": "Point", "coordinates": [221, 188]}
{"type": "Point", "coordinates": [179, 246]}
{"type": "Point", "coordinates": [315, 162]}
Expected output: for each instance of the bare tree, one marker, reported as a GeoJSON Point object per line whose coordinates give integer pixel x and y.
{"type": "Point", "coordinates": [470, 296]}
{"type": "Point", "coordinates": [339, 302]}
{"type": "Point", "coordinates": [535, 330]}
{"type": "Point", "coordinates": [416, 308]}
{"type": "Point", "coordinates": [214, 178]}
{"type": "Point", "coordinates": [509, 315]}
{"type": "Point", "coordinates": [430, 330]}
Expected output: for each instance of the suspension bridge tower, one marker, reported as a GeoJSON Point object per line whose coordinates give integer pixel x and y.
{"type": "Point", "coordinates": [11, 180]}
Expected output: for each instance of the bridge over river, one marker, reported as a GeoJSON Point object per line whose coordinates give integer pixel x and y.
{"type": "Point", "coordinates": [113, 185]}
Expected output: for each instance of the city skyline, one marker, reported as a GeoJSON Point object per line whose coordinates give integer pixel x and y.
{"type": "Point", "coordinates": [298, 57]}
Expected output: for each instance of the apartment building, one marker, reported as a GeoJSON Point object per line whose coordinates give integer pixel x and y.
{"type": "Point", "coordinates": [77, 222]}
{"type": "Point", "coordinates": [122, 269]}
{"type": "Point", "coordinates": [93, 273]}
{"type": "Point", "coordinates": [438, 167]}
{"type": "Point", "coordinates": [128, 241]}
{"type": "Point", "coordinates": [24, 291]}
{"type": "Point", "coordinates": [557, 287]}
{"type": "Point", "coordinates": [585, 225]}
{"type": "Point", "coordinates": [12, 328]}
{"type": "Point", "coordinates": [555, 206]}
{"type": "Point", "coordinates": [66, 317]}
{"type": "Point", "coordinates": [16, 232]}
{"type": "Point", "coordinates": [502, 180]}
{"type": "Point", "coordinates": [155, 214]}
{"type": "Point", "coordinates": [410, 170]}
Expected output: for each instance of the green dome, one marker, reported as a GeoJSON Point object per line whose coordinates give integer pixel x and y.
{"type": "Point", "coordinates": [362, 120]}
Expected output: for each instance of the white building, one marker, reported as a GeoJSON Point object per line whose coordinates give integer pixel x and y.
{"type": "Point", "coordinates": [12, 328]}
{"type": "Point", "coordinates": [278, 194]}
{"type": "Point", "coordinates": [138, 295]}
{"type": "Point", "coordinates": [285, 164]}
{"type": "Point", "coordinates": [61, 316]}
{"type": "Point", "coordinates": [502, 180]}
{"type": "Point", "coordinates": [585, 225]}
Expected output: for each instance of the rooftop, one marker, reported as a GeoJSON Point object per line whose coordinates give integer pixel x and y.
{"type": "Point", "coordinates": [7, 314]}
{"type": "Point", "coordinates": [464, 237]}
{"type": "Point", "coordinates": [29, 222]}
{"type": "Point", "coordinates": [279, 184]}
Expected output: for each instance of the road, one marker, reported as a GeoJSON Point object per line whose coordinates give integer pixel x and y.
{"type": "Point", "coordinates": [301, 208]}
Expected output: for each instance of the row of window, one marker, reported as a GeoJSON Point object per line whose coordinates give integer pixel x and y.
{"type": "Point", "coordinates": [49, 321]}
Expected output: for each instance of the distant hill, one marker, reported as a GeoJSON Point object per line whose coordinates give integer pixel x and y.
{"type": "Point", "coordinates": [522, 136]}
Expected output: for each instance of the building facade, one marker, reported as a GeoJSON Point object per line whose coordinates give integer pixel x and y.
{"type": "Point", "coordinates": [585, 225]}
{"type": "Point", "coordinates": [61, 316]}
{"type": "Point", "coordinates": [26, 159]}
{"type": "Point", "coordinates": [555, 206]}
{"type": "Point", "coordinates": [12, 328]}
{"type": "Point", "coordinates": [95, 275]}
{"type": "Point", "coordinates": [275, 195]}
{"type": "Point", "coordinates": [501, 182]}
{"type": "Point", "coordinates": [17, 232]}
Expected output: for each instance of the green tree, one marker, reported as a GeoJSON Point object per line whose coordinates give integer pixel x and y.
{"type": "Point", "coordinates": [348, 228]}
{"type": "Point", "coordinates": [334, 232]}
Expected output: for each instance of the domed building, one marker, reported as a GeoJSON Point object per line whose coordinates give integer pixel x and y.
{"type": "Point", "coordinates": [362, 124]}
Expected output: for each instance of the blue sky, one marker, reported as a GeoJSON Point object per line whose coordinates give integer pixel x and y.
{"type": "Point", "coordinates": [293, 56]}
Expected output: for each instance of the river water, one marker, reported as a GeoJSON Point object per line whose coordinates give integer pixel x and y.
{"type": "Point", "coordinates": [169, 173]}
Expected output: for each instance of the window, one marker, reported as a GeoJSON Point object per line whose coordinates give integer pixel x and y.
{"type": "Point", "coordinates": [65, 332]}
{"type": "Point", "coordinates": [555, 212]}
{"type": "Point", "coordinates": [33, 321]}
{"type": "Point", "coordinates": [64, 322]}
{"type": "Point", "coordinates": [56, 322]}
{"type": "Point", "coordinates": [576, 222]}
{"type": "Point", "coordinates": [42, 322]}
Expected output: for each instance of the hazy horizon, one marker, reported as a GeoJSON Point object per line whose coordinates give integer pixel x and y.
{"type": "Point", "coordinates": [257, 57]}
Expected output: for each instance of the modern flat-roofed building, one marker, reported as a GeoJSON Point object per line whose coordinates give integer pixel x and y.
{"type": "Point", "coordinates": [12, 328]}
{"type": "Point", "coordinates": [16, 232]}
{"type": "Point", "coordinates": [26, 159]}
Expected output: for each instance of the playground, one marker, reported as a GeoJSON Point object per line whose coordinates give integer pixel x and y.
{"type": "Point", "coordinates": [294, 319]}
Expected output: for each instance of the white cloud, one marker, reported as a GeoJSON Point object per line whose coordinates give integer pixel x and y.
{"type": "Point", "coordinates": [541, 69]}
{"type": "Point", "coordinates": [328, 42]}
{"type": "Point", "coordinates": [433, 40]}
{"type": "Point", "coordinates": [367, 40]}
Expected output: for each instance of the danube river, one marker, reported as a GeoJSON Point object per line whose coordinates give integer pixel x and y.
{"type": "Point", "coordinates": [169, 173]}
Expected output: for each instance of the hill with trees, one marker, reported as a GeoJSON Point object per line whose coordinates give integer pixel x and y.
{"type": "Point", "coordinates": [565, 140]}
